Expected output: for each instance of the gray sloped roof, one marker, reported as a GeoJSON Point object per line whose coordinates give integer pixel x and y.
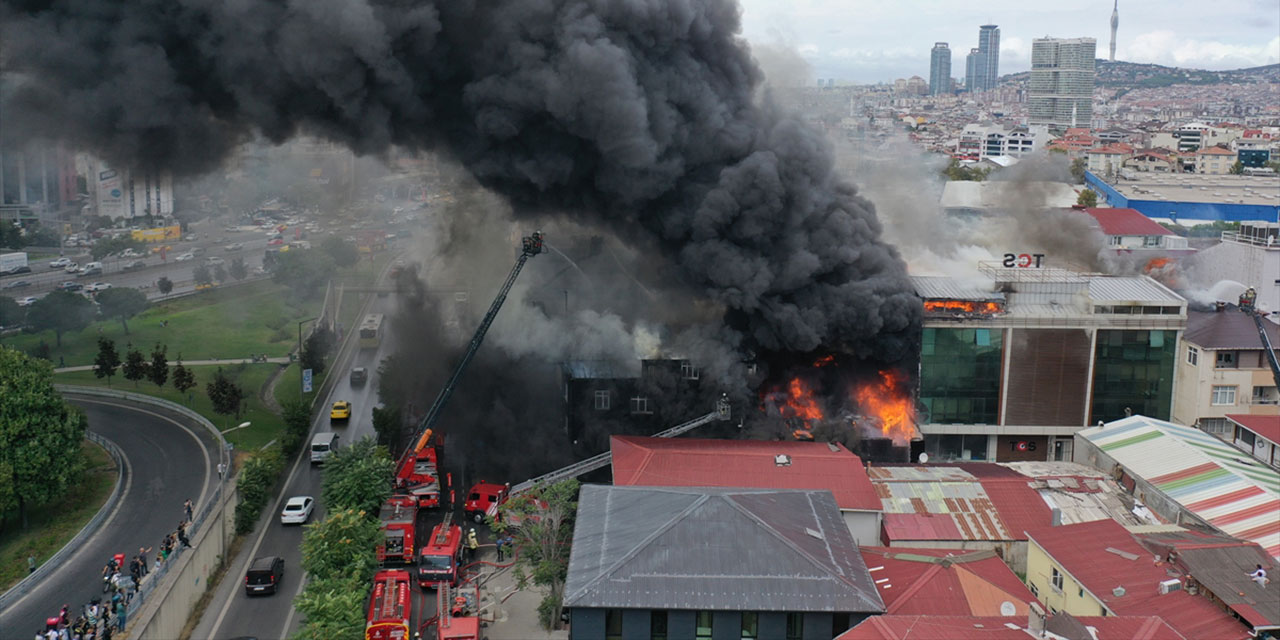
{"type": "Point", "coordinates": [948, 288]}
{"type": "Point", "coordinates": [715, 549]}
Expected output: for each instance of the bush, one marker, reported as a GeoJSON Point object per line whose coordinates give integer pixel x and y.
{"type": "Point", "coordinates": [297, 422]}
{"type": "Point", "coordinates": [257, 477]}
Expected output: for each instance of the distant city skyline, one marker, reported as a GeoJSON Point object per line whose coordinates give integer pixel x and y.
{"type": "Point", "coordinates": [867, 42]}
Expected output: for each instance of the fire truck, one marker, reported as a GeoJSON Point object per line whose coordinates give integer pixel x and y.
{"type": "Point", "coordinates": [418, 472]}
{"type": "Point", "coordinates": [458, 616]}
{"type": "Point", "coordinates": [389, 607]}
{"type": "Point", "coordinates": [484, 499]}
{"type": "Point", "coordinates": [441, 556]}
{"type": "Point", "coordinates": [399, 516]}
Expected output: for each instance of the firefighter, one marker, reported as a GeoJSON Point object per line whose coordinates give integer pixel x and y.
{"type": "Point", "coordinates": [473, 544]}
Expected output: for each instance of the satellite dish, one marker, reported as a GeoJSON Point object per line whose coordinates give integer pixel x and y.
{"type": "Point", "coordinates": [1007, 609]}
{"type": "Point", "coordinates": [924, 457]}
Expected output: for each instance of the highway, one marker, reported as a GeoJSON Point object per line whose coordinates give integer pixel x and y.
{"type": "Point", "coordinates": [166, 463]}
{"type": "Point", "coordinates": [231, 613]}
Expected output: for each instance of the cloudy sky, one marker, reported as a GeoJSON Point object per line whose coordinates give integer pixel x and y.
{"type": "Point", "coordinates": [867, 41]}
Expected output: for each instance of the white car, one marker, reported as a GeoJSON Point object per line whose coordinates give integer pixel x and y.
{"type": "Point", "coordinates": [130, 253]}
{"type": "Point", "coordinates": [185, 257]}
{"type": "Point", "coordinates": [72, 268]}
{"type": "Point", "coordinates": [297, 510]}
{"type": "Point", "coordinates": [98, 286]}
{"type": "Point", "coordinates": [215, 261]}
{"type": "Point", "coordinates": [60, 263]}
{"type": "Point", "coordinates": [27, 301]}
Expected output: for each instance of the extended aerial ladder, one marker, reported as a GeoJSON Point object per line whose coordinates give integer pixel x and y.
{"type": "Point", "coordinates": [602, 460]}
{"type": "Point", "coordinates": [530, 246]}
{"type": "Point", "coordinates": [1248, 301]}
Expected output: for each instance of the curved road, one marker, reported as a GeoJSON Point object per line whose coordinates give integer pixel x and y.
{"type": "Point", "coordinates": [165, 464]}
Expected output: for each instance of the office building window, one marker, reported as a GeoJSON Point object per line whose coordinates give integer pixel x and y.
{"type": "Point", "coordinates": [702, 625]}
{"type": "Point", "coordinates": [657, 625]}
{"type": "Point", "coordinates": [795, 626]}
{"type": "Point", "coordinates": [602, 400]}
{"type": "Point", "coordinates": [1193, 356]}
{"type": "Point", "coordinates": [1056, 580]}
{"type": "Point", "coordinates": [960, 375]}
{"type": "Point", "coordinates": [613, 624]}
{"type": "Point", "coordinates": [1224, 395]}
{"type": "Point", "coordinates": [640, 405]}
{"type": "Point", "coordinates": [1133, 371]}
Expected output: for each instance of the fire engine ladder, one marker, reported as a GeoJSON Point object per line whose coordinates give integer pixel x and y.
{"type": "Point", "coordinates": [1266, 343]}
{"type": "Point", "coordinates": [531, 246]}
{"type": "Point", "coordinates": [443, 534]}
{"type": "Point", "coordinates": [444, 608]}
{"type": "Point", "coordinates": [390, 596]}
{"type": "Point", "coordinates": [722, 412]}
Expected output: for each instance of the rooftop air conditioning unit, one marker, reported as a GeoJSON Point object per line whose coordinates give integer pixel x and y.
{"type": "Point", "coordinates": [1170, 585]}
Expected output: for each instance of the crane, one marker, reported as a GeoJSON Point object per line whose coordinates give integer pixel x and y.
{"type": "Point", "coordinates": [418, 470]}
{"type": "Point", "coordinates": [1248, 301]}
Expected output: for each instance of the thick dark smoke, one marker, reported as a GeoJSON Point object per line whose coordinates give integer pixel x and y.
{"type": "Point", "coordinates": [640, 117]}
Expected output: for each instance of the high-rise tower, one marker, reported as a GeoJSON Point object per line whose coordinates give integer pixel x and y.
{"type": "Point", "coordinates": [989, 46]}
{"type": "Point", "coordinates": [974, 66]}
{"type": "Point", "coordinates": [940, 69]}
{"type": "Point", "coordinates": [1115, 22]}
{"type": "Point", "coordinates": [1061, 86]}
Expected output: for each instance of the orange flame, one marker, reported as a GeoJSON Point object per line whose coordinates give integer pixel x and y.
{"type": "Point", "coordinates": [800, 402]}
{"type": "Point", "coordinates": [825, 361]}
{"type": "Point", "coordinates": [889, 401]}
{"type": "Point", "coordinates": [965, 306]}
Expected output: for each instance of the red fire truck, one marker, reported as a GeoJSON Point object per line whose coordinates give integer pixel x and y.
{"type": "Point", "coordinates": [389, 607]}
{"type": "Point", "coordinates": [484, 499]}
{"type": "Point", "coordinates": [440, 558]}
{"type": "Point", "coordinates": [418, 473]}
{"type": "Point", "coordinates": [459, 613]}
{"type": "Point", "coordinates": [399, 516]}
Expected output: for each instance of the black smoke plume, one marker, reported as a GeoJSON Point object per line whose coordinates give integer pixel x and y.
{"type": "Point", "coordinates": [644, 118]}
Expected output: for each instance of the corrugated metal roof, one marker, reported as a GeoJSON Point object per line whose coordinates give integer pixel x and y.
{"type": "Point", "coordinates": [1223, 566]}
{"type": "Point", "coordinates": [945, 582]}
{"type": "Point", "coordinates": [1208, 477]}
{"type": "Point", "coordinates": [946, 288]}
{"type": "Point", "coordinates": [698, 462]}
{"type": "Point", "coordinates": [1083, 551]}
{"type": "Point", "coordinates": [1227, 329]}
{"type": "Point", "coordinates": [715, 549]}
{"type": "Point", "coordinates": [999, 506]}
{"type": "Point", "coordinates": [1127, 222]}
{"type": "Point", "coordinates": [1265, 426]}
{"type": "Point", "coordinates": [1141, 289]}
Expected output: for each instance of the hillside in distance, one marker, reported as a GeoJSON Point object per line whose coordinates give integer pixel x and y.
{"type": "Point", "coordinates": [1137, 74]}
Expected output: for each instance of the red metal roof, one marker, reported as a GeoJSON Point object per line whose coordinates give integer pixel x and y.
{"type": "Point", "coordinates": [1265, 426]}
{"type": "Point", "coordinates": [1126, 222]}
{"type": "Point", "coordinates": [1082, 550]}
{"type": "Point", "coordinates": [696, 462]}
{"type": "Point", "coordinates": [944, 582]}
{"type": "Point", "coordinates": [924, 627]}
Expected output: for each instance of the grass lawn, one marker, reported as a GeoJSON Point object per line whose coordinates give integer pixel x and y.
{"type": "Point", "coordinates": [222, 323]}
{"type": "Point", "coordinates": [266, 426]}
{"type": "Point", "coordinates": [52, 526]}
{"type": "Point", "coordinates": [289, 388]}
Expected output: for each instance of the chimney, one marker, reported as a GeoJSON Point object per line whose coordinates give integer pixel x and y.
{"type": "Point", "coordinates": [1035, 620]}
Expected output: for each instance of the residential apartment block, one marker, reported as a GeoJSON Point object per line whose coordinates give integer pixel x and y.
{"type": "Point", "coordinates": [1222, 369]}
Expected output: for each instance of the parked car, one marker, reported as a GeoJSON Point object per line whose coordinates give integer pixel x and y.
{"type": "Point", "coordinates": [188, 256]}
{"type": "Point", "coordinates": [264, 575]}
{"type": "Point", "coordinates": [27, 301]}
{"type": "Point", "coordinates": [70, 285]}
{"type": "Point", "coordinates": [297, 510]}
{"type": "Point", "coordinates": [60, 263]}
{"type": "Point", "coordinates": [18, 284]}
{"type": "Point", "coordinates": [191, 237]}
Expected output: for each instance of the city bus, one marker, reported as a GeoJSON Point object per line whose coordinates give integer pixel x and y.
{"type": "Point", "coordinates": [389, 612]}
{"type": "Point", "coordinates": [371, 331]}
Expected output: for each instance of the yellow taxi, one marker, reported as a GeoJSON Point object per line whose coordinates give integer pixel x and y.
{"type": "Point", "coordinates": [341, 410]}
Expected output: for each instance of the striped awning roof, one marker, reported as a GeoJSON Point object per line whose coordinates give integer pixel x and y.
{"type": "Point", "coordinates": [1210, 478]}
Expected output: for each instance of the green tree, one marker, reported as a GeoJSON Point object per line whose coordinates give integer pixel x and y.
{"type": "Point", "coordinates": [135, 365]}
{"type": "Point", "coordinates": [202, 275]}
{"type": "Point", "coordinates": [297, 423]}
{"type": "Point", "coordinates": [357, 476]}
{"type": "Point", "coordinates": [541, 524]}
{"type": "Point", "coordinates": [338, 554]}
{"type": "Point", "coordinates": [343, 253]}
{"type": "Point", "coordinates": [257, 476]}
{"type": "Point", "coordinates": [238, 270]}
{"type": "Point", "coordinates": [270, 260]}
{"type": "Point", "coordinates": [224, 394]}
{"type": "Point", "coordinates": [303, 272]}
{"type": "Point", "coordinates": [183, 378]}
{"type": "Point", "coordinates": [1088, 198]}
{"type": "Point", "coordinates": [332, 608]}
{"type": "Point", "coordinates": [165, 285]}
{"type": "Point", "coordinates": [387, 424]}
{"type": "Point", "coordinates": [957, 171]}
{"type": "Point", "coordinates": [158, 370]}
{"type": "Point", "coordinates": [61, 311]}
{"type": "Point", "coordinates": [1078, 167]}
{"type": "Point", "coordinates": [315, 350]}
{"type": "Point", "coordinates": [39, 434]}
{"type": "Point", "coordinates": [107, 360]}
{"type": "Point", "coordinates": [122, 303]}
{"type": "Point", "coordinates": [219, 273]}
{"type": "Point", "coordinates": [1237, 168]}
{"type": "Point", "coordinates": [11, 315]}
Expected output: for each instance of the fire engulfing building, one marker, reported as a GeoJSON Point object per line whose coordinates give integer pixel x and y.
{"type": "Point", "coordinates": [1015, 362]}
{"type": "Point", "coordinates": [606, 397]}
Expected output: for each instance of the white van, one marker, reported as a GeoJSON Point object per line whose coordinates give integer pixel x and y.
{"type": "Point", "coordinates": [322, 445]}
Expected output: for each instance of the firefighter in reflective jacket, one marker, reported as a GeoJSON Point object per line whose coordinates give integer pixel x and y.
{"type": "Point", "coordinates": [472, 545]}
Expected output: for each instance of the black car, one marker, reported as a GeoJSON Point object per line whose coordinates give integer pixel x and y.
{"type": "Point", "coordinates": [264, 575]}
{"type": "Point", "coordinates": [359, 376]}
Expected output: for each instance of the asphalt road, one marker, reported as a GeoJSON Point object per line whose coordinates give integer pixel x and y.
{"type": "Point", "coordinates": [231, 613]}
{"type": "Point", "coordinates": [166, 463]}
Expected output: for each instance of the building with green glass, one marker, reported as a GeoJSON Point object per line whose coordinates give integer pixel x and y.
{"type": "Point", "coordinates": [1010, 370]}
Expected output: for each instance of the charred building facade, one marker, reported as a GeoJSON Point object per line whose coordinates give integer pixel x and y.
{"type": "Point", "coordinates": [1014, 364]}
{"type": "Point", "coordinates": [606, 397]}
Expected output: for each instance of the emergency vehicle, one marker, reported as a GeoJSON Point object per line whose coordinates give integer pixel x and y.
{"type": "Point", "coordinates": [459, 613]}
{"type": "Point", "coordinates": [441, 556]}
{"type": "Point", "coordinates": [389, 607]}
{"type": "Point", "coordinates": [399, 517]}
{"type": "Point", "coordinates": [418, 473]}
{"type": "Point", "coordinates": [484, 499]}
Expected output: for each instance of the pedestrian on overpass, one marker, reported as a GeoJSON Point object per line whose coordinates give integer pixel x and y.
{"type": "Point", "coordinates": [186, 508]}
{"type": "Point", "coordinates": [31, 564]}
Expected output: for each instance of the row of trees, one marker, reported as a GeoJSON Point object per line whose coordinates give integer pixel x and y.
{"type": "Point", "coordinates": [225, 395]}
{"type": "Point", "coordinates": [63, 311]}
{"type": "Point", "coordinates": [202, 274]}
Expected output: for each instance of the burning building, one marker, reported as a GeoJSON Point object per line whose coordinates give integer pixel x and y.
{"type": "Point", "coordinates": [1012, 367]}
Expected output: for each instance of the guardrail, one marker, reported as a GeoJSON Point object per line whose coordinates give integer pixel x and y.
{"type": "Point", "coordinates": [55, 561]}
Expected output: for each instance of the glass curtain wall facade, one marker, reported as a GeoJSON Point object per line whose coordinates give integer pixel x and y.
{"type": "Point", "coordinates": [1133, 370]}
{"type": "Point", "coordinates": [960, 375]}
